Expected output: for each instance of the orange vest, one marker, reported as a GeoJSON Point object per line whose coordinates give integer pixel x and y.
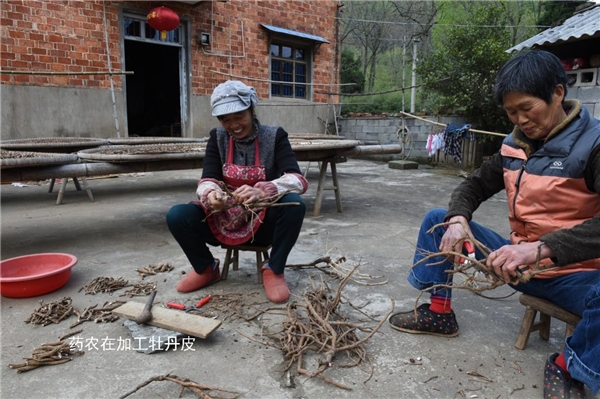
{"type": "Point", "coordinates": [547, 192]}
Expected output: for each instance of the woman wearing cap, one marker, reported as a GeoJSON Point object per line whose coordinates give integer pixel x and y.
{"type": "Point", "coordinates": [245, 163]}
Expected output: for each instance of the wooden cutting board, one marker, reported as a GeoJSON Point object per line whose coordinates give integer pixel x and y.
{"type": "Point", "coordinates": [172, 319]}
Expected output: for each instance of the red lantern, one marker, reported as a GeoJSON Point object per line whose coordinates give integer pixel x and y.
{"type": "Point", "coordinates": [163, 19]}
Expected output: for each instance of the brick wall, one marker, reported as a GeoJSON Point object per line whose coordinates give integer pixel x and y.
{"type": "Point", "coordinates": [68, 36]}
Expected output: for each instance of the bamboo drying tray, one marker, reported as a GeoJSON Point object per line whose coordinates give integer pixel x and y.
{"type": "Point", "coordinates": [310, 145]}
{"type": "Point", "coordinates": [155, 140]}
{"type": "Point", "coordinates": [313, 136]}
{"type": "Point", "coordinates": [144, 152]}
{"type": "Point", "coordinates": [19, 159]}
{"type": "Point", "coordinates": [45, 144]}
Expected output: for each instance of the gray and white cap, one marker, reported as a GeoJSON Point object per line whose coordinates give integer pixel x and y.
{"type": "Point", "coordinates": [232, 96]}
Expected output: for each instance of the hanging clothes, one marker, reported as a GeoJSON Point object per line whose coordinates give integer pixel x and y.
{"type": "Point", "coordinates": [435, 142]}
{"type": "Point", "coordinates": [453, 136]}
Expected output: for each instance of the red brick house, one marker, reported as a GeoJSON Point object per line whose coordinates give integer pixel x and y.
{"type": "Point", "coordinates": [288, 50]}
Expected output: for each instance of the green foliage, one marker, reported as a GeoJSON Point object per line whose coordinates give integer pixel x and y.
{"type": "Point", "coordinates": [459, 73]}
{"type": "Point", "coordinates": [351, 72]}
{"type": "Point", "coordinates": [556, 12]}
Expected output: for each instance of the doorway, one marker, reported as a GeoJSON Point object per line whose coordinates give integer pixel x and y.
{"type": "Point", "coordinates": [153, 91]}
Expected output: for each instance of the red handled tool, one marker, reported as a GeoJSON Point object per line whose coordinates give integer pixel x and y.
{"type": "Point", "coordinates": [470, 252]}
{"type": "Point", "coordinates": [175, 305]}
{"type": "Point", "coordinates": [180, 306]}
{"type": "Point", "coordinates": [203, 301]}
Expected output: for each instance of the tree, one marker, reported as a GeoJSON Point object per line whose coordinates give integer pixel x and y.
{"type": "Point", "coordinates": [351, 72]}
{"type": "Point", "coordinates": [556, 12]}
{"type": "Point", "coordinates": [459, 73]}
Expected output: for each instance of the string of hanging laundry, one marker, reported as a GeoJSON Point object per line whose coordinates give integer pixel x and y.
{"type": "Point", "coordinates": [450, 140]}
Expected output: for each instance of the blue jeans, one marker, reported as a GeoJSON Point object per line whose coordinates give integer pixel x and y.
{"type": "Point", "coordinates": [578, 293]}
{"type": "Point", "coordinates": [281, 228]}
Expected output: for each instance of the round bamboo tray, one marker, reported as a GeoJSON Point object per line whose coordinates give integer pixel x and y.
{"type": "Point", "coordinates": [313, 136]}
{"type": "Point", "coordinates": [155, 140]}
{"type": "Point", "coordinates": [310, 145]}
{"type": "Point", "coordinates": [49, 144]}
{"type": "Point", "coordinates": [144, 152]}
{"type": "Point", "coordinates": [20, 159]}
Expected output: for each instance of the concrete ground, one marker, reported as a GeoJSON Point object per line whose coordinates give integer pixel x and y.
{"type": "Point", "coordinates": [124, 229]}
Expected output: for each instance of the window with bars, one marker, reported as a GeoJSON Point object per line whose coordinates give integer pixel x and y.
{"type": "Point", "coordinates": [290, 66]}
{"type": "Point", "coordinates": [140, 29]}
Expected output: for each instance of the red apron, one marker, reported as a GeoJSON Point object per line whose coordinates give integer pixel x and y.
{"type": "Point", "coordinates": [237, 225]}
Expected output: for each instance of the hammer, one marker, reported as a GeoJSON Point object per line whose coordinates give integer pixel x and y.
{"type": "Point", "coordinates": [146, 314]}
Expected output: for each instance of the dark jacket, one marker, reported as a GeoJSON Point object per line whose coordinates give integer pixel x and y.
{"type": "Point", "coordinates": [570, 245]}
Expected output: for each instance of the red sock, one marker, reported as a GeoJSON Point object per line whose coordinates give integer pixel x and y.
{"type": "Point", "coordinates": [440, 304]}
{"type": "Point", "coordinates": [560, 362]}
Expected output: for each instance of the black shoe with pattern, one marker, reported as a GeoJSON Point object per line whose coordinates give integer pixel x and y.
{"type": "Point", "coordinates": [425, 321]}
{"type": "Point", "coordinates": [557, 385]}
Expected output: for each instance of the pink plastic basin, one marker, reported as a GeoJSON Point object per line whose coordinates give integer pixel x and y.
{"type": "Point", "coordinates": [33, 275]}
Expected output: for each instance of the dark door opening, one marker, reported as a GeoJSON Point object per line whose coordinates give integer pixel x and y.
{"type": "Point", "coordinates": [153, 100]}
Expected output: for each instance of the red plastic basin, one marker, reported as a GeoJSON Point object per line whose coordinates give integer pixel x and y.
{"type": "Point", "coordinates": [33, 275]}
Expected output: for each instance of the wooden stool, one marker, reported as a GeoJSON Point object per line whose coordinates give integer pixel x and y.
{"type": "Point", "coordinates": [233, 256]}
{"type": "Point", "coordinates": [63, 186]}
{"type": "Point", "coordinates": [321, 186]}
{"type": "Point", "coordinates": [547, 310]}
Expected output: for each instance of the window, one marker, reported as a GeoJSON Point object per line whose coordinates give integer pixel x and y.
{"type": "Point", "coordinates": [136, 28]}
{"type": "Point", "coordinates": [290, 70]}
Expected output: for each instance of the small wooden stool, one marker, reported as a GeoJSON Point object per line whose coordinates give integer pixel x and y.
{"type": "Point", "coordinates": [547, 310]}
{"type": "Point", "coordinates": [321, 186]}
{"type": "Point", "coordinates": [233, 256]}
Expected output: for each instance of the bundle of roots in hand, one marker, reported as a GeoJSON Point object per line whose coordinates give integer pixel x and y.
{"type": "Point", "coordinates": [267, 202]}
{"type": "Point", "coordinates": [478, 277]}
{"type": "Point", "coordinates": [315, 325]}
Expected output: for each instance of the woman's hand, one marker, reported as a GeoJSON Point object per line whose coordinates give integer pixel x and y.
{"type": "Point", "coordinates": [508, 259]}
{"type": "Point", "coordinates": [247, 195]}
{"type": "Point", "coordinates": [217, 200]}
{"type": "Point", "coordinates": [452, 240]}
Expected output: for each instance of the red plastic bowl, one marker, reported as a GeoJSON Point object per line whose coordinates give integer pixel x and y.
{"type": "Point", "coordinates": [33, 275]}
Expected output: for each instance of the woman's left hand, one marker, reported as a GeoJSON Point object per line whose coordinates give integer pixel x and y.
{"type": "Point", "coordinates": [247, 195]}
{"type": "Point", "coordinates": [508, 259]}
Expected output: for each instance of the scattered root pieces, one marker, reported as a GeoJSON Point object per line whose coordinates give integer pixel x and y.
{"type": "Point", "coordinates": [151, 270]}
{"type": "Point", "coordinates": [235, 305]}
{"type": "Point", "coordinates": [104, 284]}
{"type": "Point", "coordinates": [49, 354]}
{"type": "Point", "coordinates": [140, 289]}
{"type": "Point", "coordinates": [336, 269]}
{"type": "Point", "coordinates": [53, 312]}
{"type": "Point", "coordinates": [101, 315]}
{"type": "Point", "coordinates": [202, 391]}
{"type": "Point", "coordinates": [316, 326]}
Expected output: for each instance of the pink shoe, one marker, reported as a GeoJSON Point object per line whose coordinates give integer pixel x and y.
{"type": "Point", "coordinates": [194, 281]}
{"type": "Point", "coordinates": [275, 286]}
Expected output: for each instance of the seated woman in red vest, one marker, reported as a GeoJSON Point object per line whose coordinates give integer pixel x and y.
{"type": "Point", "coordinates": [245, 163]}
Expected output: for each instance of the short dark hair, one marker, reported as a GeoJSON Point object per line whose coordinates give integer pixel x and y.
{"type": "Point", "coordinates": [533, 72]}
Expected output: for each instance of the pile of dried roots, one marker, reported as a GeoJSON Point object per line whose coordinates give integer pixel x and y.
{"type": "Point", "coordinates": [315, 325]}
{"type": "Point", "coordinates": [152, 270]}
{"type": "Point", "coordinates": [53, 312]}
{"type": "Point", "coordinates": [98, 315]}
{"type": "Point", "coordinates": [49, 354]}
{"type": "Point", "coordinates": [104, 284]}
